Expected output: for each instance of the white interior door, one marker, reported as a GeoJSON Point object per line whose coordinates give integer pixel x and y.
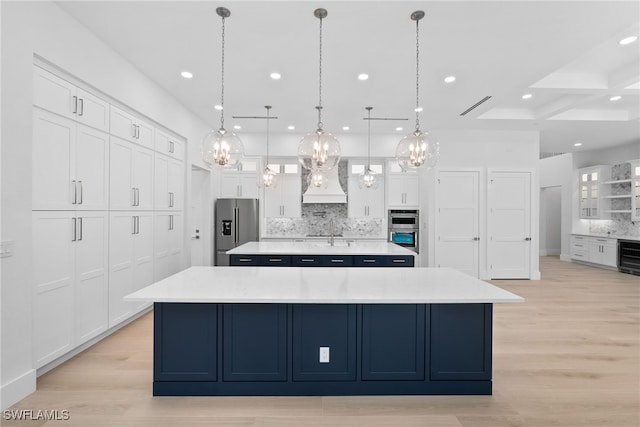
{"type": "Point", "coordinates": [509, 225]}
{"type": "Point", "coordinates": [458, 220]}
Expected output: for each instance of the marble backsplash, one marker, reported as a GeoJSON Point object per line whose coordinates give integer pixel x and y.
{"type": "Point", "coordinates": [620, 224]}
{"type": "Point", "coordinates": [317, 218]}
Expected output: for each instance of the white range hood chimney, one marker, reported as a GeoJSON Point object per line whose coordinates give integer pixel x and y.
{"type": "Point", "coordinates": [331, 194]}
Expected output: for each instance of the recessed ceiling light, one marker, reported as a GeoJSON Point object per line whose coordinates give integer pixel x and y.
{"type": "Point", "coordinates": [218, 107]}
{"type": "Point", "coordinates": [275, 76]}
{"type": "Point", "coordinates": [345, 128]}
{"type": "Point", "coordinates": [450, 79]}
{"type": "Point", "coordinates": [628, 40]}
{"type": "Point", "coordinates": [236, 127]}
{"type": "Point", "coordinates": [577, 144]}
{"type": "Point", "coordinates": [418, 109]}
{"type": "Point", "coordinates": [363, 76]}
{"type": "Point", "coordinates": [291, 127]}
{"type": "Point", "coordinates": [399, 129]}
{"type": "Point", "coordinates": [615, 98]}
{"type": "Point", "coordinates": [527, 96]}
{"type": "Point", "coordinates": [187, 74]}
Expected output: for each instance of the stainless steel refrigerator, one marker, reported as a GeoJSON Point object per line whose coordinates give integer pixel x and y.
{"type": "Point", "coordinates": [236, 223]}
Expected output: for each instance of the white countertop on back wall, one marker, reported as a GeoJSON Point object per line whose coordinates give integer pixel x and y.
{"type": "Point", "coordinates": [320, 248]}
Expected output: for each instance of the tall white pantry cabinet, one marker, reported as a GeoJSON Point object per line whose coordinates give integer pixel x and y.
{"type": "Point", "coordinates": [107, 189]}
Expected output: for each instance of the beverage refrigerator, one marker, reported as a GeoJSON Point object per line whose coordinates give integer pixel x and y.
{"type": "Point", "coordinates": [236, 223]}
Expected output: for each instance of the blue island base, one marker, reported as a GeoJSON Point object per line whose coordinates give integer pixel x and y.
{"type": "Point", "coordinates": [203, 349]}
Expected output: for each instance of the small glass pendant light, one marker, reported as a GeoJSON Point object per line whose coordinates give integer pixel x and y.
{"type": "Point", "coordinates": [319, 150]}
{"type": "Point", "coordinates": [268, 177]}
{"type": "Point", "coordinates": [220, 147]}
{"type": "Point", "coordinates": [418, 148]}
{"type": "Point", "coordinates": [368, 178]}
{"type": "Point", "coordinates": [318, 179]}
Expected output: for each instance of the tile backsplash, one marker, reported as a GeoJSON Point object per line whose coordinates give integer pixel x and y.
{"type": "Point", "coordinates": [620, 224]}
{"type": "Point", "coordinates": [317, 217]}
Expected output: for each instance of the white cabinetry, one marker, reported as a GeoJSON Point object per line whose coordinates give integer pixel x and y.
{"type": "Point", "coordinates": [131, 176]}
{"type": "Point", "coordinates": [403, 188]}
{"type": "Point", "coordinates": [169, 183]}
{"type": "Point", "coordinates": [365, 202]}
{"type": "Point", "coordinates": [130, 260]}
{"type": "Point", "coordinates": [169, 145]}
{"type": "Point", "coordinates": [131, 128]}
{"type": "Point", "coordinates": [71, 280]}
{"type": "Point", "coordinates": [167, 245]}
{"type": "Point", "coordinates": [239, 185]}
{"type": "Point", "coordinates": [635, 190]}
{"type": "Point", "coordinates": [596, 250]}
{"type": "Point", "coordinates": [69, 164]}
{"type": "Point", "coordinates": [284, 201]}
{"type": "Point", "coordinates": [590, 191]}
{"type": "Point", "coordinates": [57, 95]}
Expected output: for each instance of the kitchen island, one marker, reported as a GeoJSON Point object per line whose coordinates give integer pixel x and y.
{"type": "Point", "coordinates": [322, 331]}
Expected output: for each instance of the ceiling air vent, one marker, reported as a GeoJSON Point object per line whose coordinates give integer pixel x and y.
{"type": "Point", "coordinates": [476, 105]}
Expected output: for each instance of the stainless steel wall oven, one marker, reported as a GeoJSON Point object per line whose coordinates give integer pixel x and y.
{"type": "Point", "coordinates": [404, 228]}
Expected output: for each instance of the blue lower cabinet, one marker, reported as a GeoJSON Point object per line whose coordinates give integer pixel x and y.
{"type": "Point", "coordinates": [306, 261]}
{"type": "Point", "coordinates": [393, 342]}
{"type": "Point", "coordinates": [461, 341]}
{"type": "Point", "coordinates": [370, 260]}
{"type": "Point", "coordinates": [184, 337]}
{"type": "Point", "coordinates": [240, 260]}
{"type": "Point", "coordinates": [327, 330]}
{"type": "Point", "coordinates": [275, 260]}
{"type": "Point", "coordinates": [338, 261]}
{"type": "Point", "coordinates": [400, 261]}
{"type": "Point", "coordinates": [254, 342]}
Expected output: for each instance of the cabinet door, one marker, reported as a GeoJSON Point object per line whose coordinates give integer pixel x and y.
{"type": "Point", "coordinates": [229, 185]}
{"type": "Point", "coordinates": [92, 169]}
{"type": "Point", "coordinates": [122, 228]}
{"type": "Point", "coordinates": [610, 255]}
{"type": "Point", "coordinates": [142, 254]}
{"type": "Point", "coordinates": [53, 93]}
{"type": "Point", "coordinates": [53, 162]}
{"type": "Point", "coordinates": [357, 206]}
{"type": "Point", "coordinates": [53, 265]}
{"type": "Point", "coordinates": [121, 192]}
{"type": "Point", "coordinates": [595, 251]}
{"type": "Point", "coordinates": [273, 202]}
{"type": "Point", "coordinates": [144, 134]}
{"type": "Point", "coordinates": [412, 189]}
{"type": "Point", "coordinates": [122, 124]}
{"type": "Point", "coordinates": [395, 190]}
{"type": "Point", "coordinates": [248, 186]}
{"type": "Point", "coordinates": [291, 190]}
{"type": "Point", "coordinates": [162, 199]}
{"type": "Point", "coordinates": [91, 289]}
{"type": "Point", "coordinates": [92, 110]}
{"type": "Point", "coordinates": [143, 177]}
{"type": "Point", "coordinates": [161, 226]}
{"type": "Point", "coordinates": [176, 243]}
{"type": "Point", "coordinates": [176, 184]}
{"type": "Point", "coordinates": [166, 144]}
{"type": "Point", "coordinates": [375, 203]}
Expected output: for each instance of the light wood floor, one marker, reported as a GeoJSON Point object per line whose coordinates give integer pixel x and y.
{"type": "Point", "coordinates": [569, 356]}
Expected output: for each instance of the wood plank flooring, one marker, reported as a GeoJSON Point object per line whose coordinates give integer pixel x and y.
{"type": "Point", "coordinates": [569, 356]}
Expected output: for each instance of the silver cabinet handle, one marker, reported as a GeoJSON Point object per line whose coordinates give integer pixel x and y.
{"type": "Point", "coordinates": [137, 196]}
{"type": "Point", "coordinates": [80, 228]}
{"type": "Point", "coordinates": [75, 192]}
{"type": "Point", "coordinates": [137, 131]}
{"type": "Point", "coordinates": [169, 198]}
{"type": "Point", "coordinates": [133, 130]}
{"type": "Point", "coordinates": [81, 112]}
{"type": "Point", "coordinates": [133, 225]}
{"type": "Point", "coordinates": [337, 261]}
{"type": "Point", "coordinates": [75, 105]}
{"type": "Point", "coordinates": [81, 195]}
{"type": "Point", "coordinates": [369, 260]}
{"type": "Point", "coordinates": [307, 259]}
{"type": "Point", "coordinates": [275, 259]}
{"type": "Point", "coordinates": [245, 259]}
{"type": "Point", "coordinates": [133, 196]}
{"type": "Point", "coordinates": [137, 225]}
{"type": "Point", "coordinates": [400, 261]}
{"type": "Point", "coordinates": [74, 229]}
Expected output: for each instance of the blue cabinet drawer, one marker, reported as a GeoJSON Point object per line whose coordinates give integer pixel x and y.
{"type": "Point", "coordinates": [275, 260]}
{"type": "Point", "coordinates": [400, 261]}
{"type": "Point", "coordinates": [306, 261]}
{"type": "Point", "coordinates": [236, 260]}
{"type": "Point", "coordinates": [370, 260]}
{"type": "Point", "coordinates": [338, 261]}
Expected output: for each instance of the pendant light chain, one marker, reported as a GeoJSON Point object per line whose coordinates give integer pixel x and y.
{"type": "Point", "coordinates": [222, 78]}
{"type": "Point", "coordinates": [268, 107]}
{"type": "Point", "coordinates": [368, 138]}
{"type": "Point", "coordinates": [320, 80]}
{"type": "Point", "coordinates": [417, 75]}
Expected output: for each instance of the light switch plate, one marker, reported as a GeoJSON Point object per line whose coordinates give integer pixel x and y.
{"type": "Point", "coordinates": [324, 354]}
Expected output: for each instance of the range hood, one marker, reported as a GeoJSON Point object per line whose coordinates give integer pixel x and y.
{"type": "Point", "coordinates": [333, 193]}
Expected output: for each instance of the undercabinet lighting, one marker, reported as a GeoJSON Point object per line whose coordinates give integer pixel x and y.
{"type": "Point", "coordinates": [450, 79]}
{"type": "Point", "coordinates": [399, 129]}
{"type": "Point", "coordinates": [186, 74]}
{"type": "Point", "coordinates": [418, 109]}
{"type": "Point", "coordinates": [527, 96]}
{"type": "Point", "coordinates": [275, 76]}
{"type": "Point", "coordinates": [363, 76]}
{"type": "Point", "coordinates": [578, 144]}
{"type": "Point", "coordinates": [615, 98]}
{"type": "Point", "coordinates": [291, 127]}
{"type": "Point", "coordinates": [218, 107]}
{"type": "Point", "coordinates": [345, 128]}
{"type": "Point", "coordinates": [628, 40]}
{"type": "Point", "coordinates": [237, 127]}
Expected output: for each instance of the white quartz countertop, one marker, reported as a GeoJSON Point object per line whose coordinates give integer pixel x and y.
{"type": "Point", "coordinates": [608, 236]}
{"type": "Point", "coordinates": [320, 248]}
{"type": "Point", "coordinates": [329, 285]}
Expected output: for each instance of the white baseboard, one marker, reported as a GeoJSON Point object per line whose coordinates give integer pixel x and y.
{"type": "Point", "coordinates": [564, 257]}
{"type": "Point", "coordinates": [17, 389]}
{"type": "Point", "coordinates": [549, 252]}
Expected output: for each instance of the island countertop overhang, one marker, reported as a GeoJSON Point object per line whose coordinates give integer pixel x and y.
{"type": "Point", "coordinates": [300, 285]}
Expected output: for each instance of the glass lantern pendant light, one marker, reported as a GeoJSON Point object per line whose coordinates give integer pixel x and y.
{"type": "Point", "coordinates": [319, 150]}
{"type": "Point", "coordinates": [417, 148]}
{"type": "Point", "coordinates": [220, 147]}
{"type": "Point", "coordinates": [368, 178]}
{"type": "Point", "coordinates": [268, 177]}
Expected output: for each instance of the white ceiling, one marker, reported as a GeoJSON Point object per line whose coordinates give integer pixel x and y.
{"type": "Point", "coordinates": [564, 53]}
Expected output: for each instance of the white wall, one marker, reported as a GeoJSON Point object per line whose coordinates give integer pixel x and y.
{"type": "Point", "coordinates": [557, 171]}
{"type": "Point", "coordinates": [43, 29]}
{"type": "Point", "coordinates": [550, 221]}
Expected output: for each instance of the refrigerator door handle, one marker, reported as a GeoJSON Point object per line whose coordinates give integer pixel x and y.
{"type": "Point", "coordinates": [236, 228]}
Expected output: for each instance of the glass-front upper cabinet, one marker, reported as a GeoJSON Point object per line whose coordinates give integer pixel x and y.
{"type": "Point", "coordinates": [589, 190]}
